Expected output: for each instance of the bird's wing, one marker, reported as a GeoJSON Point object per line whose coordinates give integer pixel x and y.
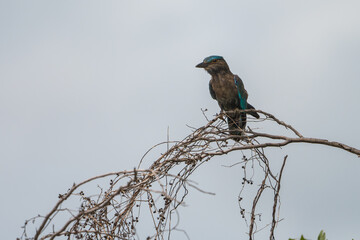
{"type": "Point", "coordinates": [241, 92]}
{"type": "Point", "coordinates": [212, 92]}
{"type": "Point", "coordinates": [254, 114]}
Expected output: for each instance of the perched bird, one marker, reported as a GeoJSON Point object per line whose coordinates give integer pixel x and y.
{"type": "Point", "coordinates": [229, 91]}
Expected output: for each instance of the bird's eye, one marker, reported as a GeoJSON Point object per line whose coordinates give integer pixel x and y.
{"type": "Point", "coordinates": [215, 60]}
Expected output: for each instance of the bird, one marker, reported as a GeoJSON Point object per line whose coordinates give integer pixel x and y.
{"type": "Point", "coordinates": [229, 91]}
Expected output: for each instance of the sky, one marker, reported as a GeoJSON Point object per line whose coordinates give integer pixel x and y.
{"type": "Point", "coordinates": [87, 87]}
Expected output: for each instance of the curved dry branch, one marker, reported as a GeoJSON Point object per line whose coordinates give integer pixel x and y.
{"type": "Point", "coordinates": [162, 188]}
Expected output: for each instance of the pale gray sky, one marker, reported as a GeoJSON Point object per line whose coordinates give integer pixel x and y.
{"type": "Point", "coordinates": [86, 87]}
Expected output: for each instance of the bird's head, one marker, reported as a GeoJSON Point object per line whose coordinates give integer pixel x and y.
{"type": "Point", "coordinates": [214, 64]}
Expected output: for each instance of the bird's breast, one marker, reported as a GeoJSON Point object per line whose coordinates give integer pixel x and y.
{"type": "Point", "coordinates": [226, 94]}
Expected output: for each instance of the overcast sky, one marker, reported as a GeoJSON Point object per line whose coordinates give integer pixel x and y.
{"type": "Point", "coordinates": [86, 87]}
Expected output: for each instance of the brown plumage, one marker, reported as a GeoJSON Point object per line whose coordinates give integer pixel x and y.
{"type": "Point", "coordinates": [229, 91]}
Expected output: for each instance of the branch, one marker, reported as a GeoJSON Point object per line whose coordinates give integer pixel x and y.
{"type": "Point", "coordinates": [276, 199]}
{"type": "Point", "coordinates": [114, 213]}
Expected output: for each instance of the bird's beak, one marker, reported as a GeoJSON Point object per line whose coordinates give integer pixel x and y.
{"type": "Point", "coordinates": [201, 65]}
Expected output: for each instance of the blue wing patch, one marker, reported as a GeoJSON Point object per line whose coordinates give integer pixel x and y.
{"type": "Point", "coordinates": [243, 102]}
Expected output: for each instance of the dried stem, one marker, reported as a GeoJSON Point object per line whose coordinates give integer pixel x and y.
{"type": "Point", "coordinates": [276, 199]}
{"type": "Point", "coordinates": [114, 213]}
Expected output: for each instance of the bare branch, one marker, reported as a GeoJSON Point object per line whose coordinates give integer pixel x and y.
{"type": "Point", "coordinates": [276, 197]}
{"type": "Point", "coordinates": [114, 211]}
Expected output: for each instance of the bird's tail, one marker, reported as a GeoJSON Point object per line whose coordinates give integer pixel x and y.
{"type": "Point", "coordinates": [254, 114]}
{"type": "Point", "coordinates": [236, 122]}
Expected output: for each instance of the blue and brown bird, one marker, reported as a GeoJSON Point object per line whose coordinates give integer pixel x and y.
{"type": "Point", "coordinates": [229, 91]}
